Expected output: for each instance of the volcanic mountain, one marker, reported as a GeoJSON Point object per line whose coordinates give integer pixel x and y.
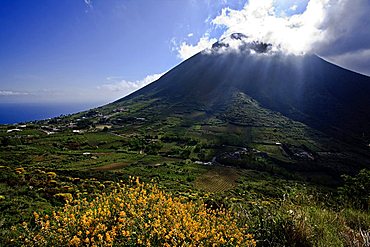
{"type": "Point", "coordinates": [304, 88]}
{"type": "Point", "coordinates": [302, 112]}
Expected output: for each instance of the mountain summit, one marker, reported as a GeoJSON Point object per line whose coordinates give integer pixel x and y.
{"type": "Point", "coordinates": [238, 42]}
{"type": "Point", "coordinates": [303, 88]}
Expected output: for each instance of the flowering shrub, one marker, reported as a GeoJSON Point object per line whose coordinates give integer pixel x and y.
{"type": "Point", "coordinates": [133, 215]}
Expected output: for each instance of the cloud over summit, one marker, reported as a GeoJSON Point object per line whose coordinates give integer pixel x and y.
{"type": "Point", "coordinates": [329, 28]}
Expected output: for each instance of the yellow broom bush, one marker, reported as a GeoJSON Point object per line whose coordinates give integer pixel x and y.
{"type": "Point", "coordinates": [138, 214]}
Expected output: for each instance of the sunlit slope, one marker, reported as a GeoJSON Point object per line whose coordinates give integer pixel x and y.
{"type": "Point", "coordinates": [304, 88]}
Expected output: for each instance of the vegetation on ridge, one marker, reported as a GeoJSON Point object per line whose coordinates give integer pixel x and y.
{"type": "Point", "coordinates": [278, 176]}
{"type": "Point", "coordinates": [288, 214]}
{"type": "Point", "coordinates": [137, 215]}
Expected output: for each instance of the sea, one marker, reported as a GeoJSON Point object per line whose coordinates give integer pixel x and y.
{"type": "Point", "coordinates": [11, 113]}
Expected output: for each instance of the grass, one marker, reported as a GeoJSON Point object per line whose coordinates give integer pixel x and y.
{"type": "Point", "coordinates": [281, 198]}
{"type": "Point", "coordinates": [139, 215]}
{"type": "Point", "coordinates": [279, 212]}
{"type": "Point", "coordinates": [217, 179]}
{"type": "Point", "coordinates": [112, 166]}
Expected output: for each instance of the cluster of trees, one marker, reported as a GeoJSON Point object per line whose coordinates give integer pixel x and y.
{"type": "Point", "coordinates": [146, 145]}
{"type": "Point", "coordinates": [179, 139]}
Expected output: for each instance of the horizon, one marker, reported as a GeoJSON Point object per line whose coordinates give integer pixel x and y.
{"type": "Point", "coordinates": [94, 52]}
{"type": "Point", "coordinates": [185, 123]}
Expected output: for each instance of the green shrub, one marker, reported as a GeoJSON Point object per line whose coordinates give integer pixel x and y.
{"type": "Point", "coordinates": [356, 190]}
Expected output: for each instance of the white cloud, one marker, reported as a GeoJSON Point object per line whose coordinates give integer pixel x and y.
{"type": "Point", "coordinates": [325, 25]}
{"type": "Point", "coordinates": [88, 3]}
{"type": "Point", "coordinates": [125, 87]}
{"type": "Point", "coordinates": [190, 35]}
{"type": "Point", "coordinates": [186, 50]}
{"type": "Point", "coordinates": [320, 28]}
{"type": "Point", "coordinates": [259, 21]}
{"type": "Point", "coordinates": [12, 93]}
{"type": "Point", "coordinates": [293, 7]}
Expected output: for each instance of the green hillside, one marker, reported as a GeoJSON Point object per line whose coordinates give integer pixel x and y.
{"type": "Point", "coordinates": [281, 158]}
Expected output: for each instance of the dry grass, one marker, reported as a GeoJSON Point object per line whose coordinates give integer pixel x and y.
{"type": "Point", "coordinates": [217, 179]}
{"type": "Point", "coordinates": [113, 166]}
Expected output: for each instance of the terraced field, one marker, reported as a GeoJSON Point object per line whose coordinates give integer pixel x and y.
{"type": "Point", "coordinates": [217, 179]}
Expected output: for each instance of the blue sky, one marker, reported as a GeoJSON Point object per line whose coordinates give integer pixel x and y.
{"type": "Point", "coordinates": [97, 51]}
{"type": "Point", "coordinates": [56, 48]}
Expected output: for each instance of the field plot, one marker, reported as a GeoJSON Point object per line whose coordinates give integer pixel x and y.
{"type": "Point", "coordinates": [113, 166]}
{"type": "Point", "coordinates": [217, 179]}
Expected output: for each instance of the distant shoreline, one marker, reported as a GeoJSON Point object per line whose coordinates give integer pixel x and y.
{"type": "Point", "coordinates": [12, 113]}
